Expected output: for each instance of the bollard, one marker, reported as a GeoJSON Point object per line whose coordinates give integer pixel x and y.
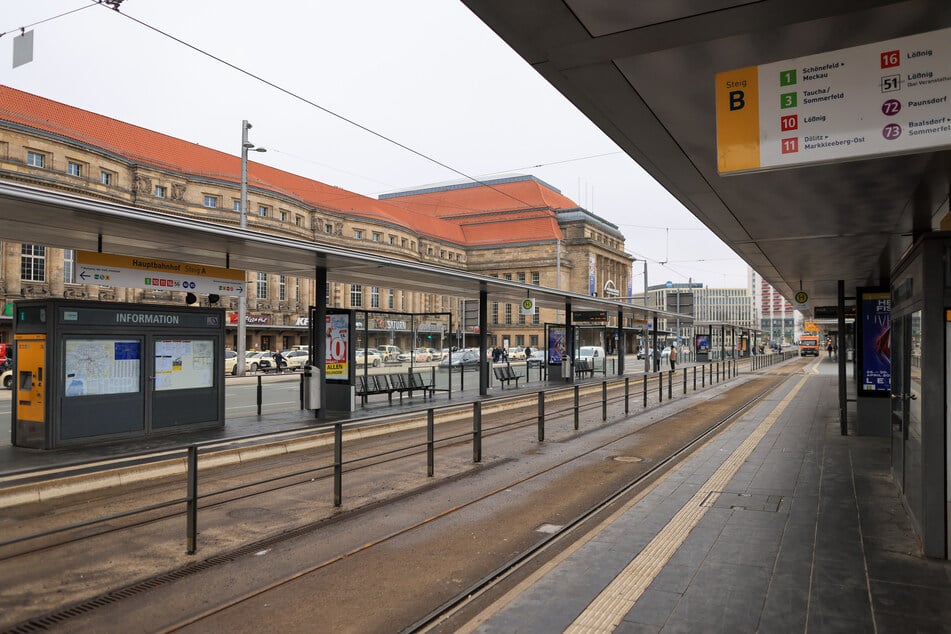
{"type": "Point", "coordinates": [541, 417]}
{"type": "Point", "coordinates": [191, 509]}
{"type": "Point", "coordinates": [645, 390]}
{"type": "Point", "coordinates": [477, 431]}
{"type": "Point", "coordinates": [430, 442]}
{"type": "Point", "coordinates": [302, 390]}
{"type": "Point", "coordinates": [627, 395]}
{"type": "Point", "coordinates": [718, 371]}
{"type": "Point", "coordinates": [694, 378]}
{"type": "Point", "coordinates": [670, 384]}
{"type": "Point", "coordinates": [685, 381]}
{"type": "Point", "coordinates": [259, 395]}
{"type": "Point", "coordinates": [660, 387]}
{"type": "Point", "coordinates": [703, 376]}
{"type": "Point", "coordinates": [577, 405]}
{"type": "Point", "coordinates": [338, 464]}
{"type": "Point", "coordinates": [604, 400]}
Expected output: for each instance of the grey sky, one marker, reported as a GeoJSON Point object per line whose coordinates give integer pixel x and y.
{"type": "Point", "coordinates": [426, 73]}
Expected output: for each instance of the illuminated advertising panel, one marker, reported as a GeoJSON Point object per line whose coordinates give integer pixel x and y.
{"type": "Point", "coordinates": [876, 357]}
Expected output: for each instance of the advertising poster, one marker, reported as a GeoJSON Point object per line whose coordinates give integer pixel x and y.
{"type": "Point", "coordinates": [702, 343]}
{"type": "Point", "coordinates": [338, 347]}
{"type": "Point", "coordinates": [876, 342]}
{"type": "Point", "coordinates": [556, 345]}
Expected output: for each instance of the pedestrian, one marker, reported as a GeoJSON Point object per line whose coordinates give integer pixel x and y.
{"type": "Point", "coordinates": [829, 349]}
{"type": "Point", "coordinates": [279, 361]}
{"type": "Point", "coordinates": [656, 356]}
{"type": "Point", "coordinates": [528, 352]}
{"type": "Point", "coordinates": [673, 358]}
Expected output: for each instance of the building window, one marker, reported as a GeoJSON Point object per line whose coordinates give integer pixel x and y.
{"type": "Point", "coordinates": [105, 177]}
{"type": "Point", "coordinates": [283, 213]}
{"type": "Point", "coordinates": [35, 159]}
{"type": "Point", "coordinates": [299, 221]}
{"type": "Point", "coordinates": [74, 169]}
{"type": "Point", "coordinates": [442, 254]}
{"type": "Point", "coordinates": [160, 191]}
{"type": "Point", "coordinates": [262, 211]}
{"type": "Point", "coordinates": [262, 285]}
{"type": "Point", "coordinates": [211, 202]}
{"type": "Point", "coordinates": [33, 263]}
{"type": "Point", "coordinates": [507, 276]}
{"type": "Point", "coordinates": [536, 320]}
{"type": "Point", "coordinates": [429, 250]}
{"type": "Point", "coordinates": [520, 277]}
{"type": "Point", "coordinates": [377, 236]}
{"type": "Point", "coordinates": [374, 297]}
{"type": "Point", "coordinates": [536, 278]}
{"type": "Point", "coordinates": [391, 299]}
{"type": "Point", "coordinates": [328, 227]}
{"type": "Point", "coordinates": [282, 288]}
{"type": "Point", "coordinates": [393, 240]}
{"type": "Point", "coordinates": [69, 266]}
{"type": "Point", "coordinates": [297, 289]}
{"type": "Point", "coordinates": [403, 242]}
{"type": "Point", "coordinates": [236, 205]}
{"type": "Point", "coordinates": [358, 234]}
{"type": "Point", "coordinates": [508, 313]}
{"type": "Point", "coordinates": [356, 295]}
{"type": "Point", "coordinates": [521, 318]}
{"type": "Point", "coordinates": [495, 312]}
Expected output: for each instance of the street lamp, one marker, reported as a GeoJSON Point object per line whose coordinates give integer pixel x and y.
{"type": "Point", "coordinates": [243, 298]}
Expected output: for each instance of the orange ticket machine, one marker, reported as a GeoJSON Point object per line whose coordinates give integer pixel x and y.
{"type": "Point", "coordinates": [88, 372]}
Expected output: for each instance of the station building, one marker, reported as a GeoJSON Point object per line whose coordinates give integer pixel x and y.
{"type": "Point", "coordinates": [517, 228]}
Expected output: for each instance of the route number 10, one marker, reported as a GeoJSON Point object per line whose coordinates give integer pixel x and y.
{"type": "Point", "coordinates": [790, 122]}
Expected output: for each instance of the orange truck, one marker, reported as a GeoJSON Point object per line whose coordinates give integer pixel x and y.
{"type": "Point", "coordinates": [809, 345]}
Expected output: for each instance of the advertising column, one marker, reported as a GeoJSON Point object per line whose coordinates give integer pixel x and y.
{"type": "Point", "coordinates": [874, 362]}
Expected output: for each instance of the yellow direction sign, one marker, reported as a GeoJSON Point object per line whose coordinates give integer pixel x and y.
{"type": "Point", "coordinates": [157, 275]}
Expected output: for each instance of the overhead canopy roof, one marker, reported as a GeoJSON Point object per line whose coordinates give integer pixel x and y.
{"type": "Point", "coordinates": [29, 214]}
{"type": "Point", "coordinates": [644, 73]}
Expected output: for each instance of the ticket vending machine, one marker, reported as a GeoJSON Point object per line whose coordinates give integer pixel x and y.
{"type": "Point", "coordinates": [29, 388]}
{"type": "Point", "coordinates": [89, 372]}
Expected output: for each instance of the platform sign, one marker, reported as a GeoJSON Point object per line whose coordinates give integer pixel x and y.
{"type": "Point", "coordinates": [157, 275]}
{"type": "Point", "coordinates": [879, 99]}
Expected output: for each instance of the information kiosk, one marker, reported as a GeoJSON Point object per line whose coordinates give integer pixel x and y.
{"type": "Point", "coordinates": [93, 371]}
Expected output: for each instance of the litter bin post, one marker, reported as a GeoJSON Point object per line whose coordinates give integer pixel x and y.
{"type": "Point", "coordinates": [311, 387]}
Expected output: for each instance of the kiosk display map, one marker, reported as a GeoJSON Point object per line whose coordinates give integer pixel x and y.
{"type": "Point", "coordinates": [184, 364]}
{"type": "Point", "coordinates": [101, 366]}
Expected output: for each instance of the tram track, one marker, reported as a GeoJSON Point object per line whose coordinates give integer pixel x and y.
{"type": "Point", "coordinates": [506, 488]}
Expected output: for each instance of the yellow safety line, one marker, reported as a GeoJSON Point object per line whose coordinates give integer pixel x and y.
{"type": "Point", "coordinates": [607, 610]}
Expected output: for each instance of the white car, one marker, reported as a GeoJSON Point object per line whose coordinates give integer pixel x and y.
{"type": "Point", "coordinates": [231, 362]}
{"type": "Point", "coordinates": [296, 359]}
{"type": "Point", "coordinates": [7, 379]}
{"type": "Point", "coordinates": [372, 358]}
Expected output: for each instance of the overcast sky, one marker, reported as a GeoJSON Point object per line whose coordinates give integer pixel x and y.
{"type": "Point", "coordinates": [425, 73]}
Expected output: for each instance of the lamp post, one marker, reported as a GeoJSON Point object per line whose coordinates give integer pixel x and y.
{"type": "Point", "coordinates": [243, 298]}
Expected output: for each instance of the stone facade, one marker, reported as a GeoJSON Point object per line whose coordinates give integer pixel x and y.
{"type": "Point", "coordinates": [60, 161]}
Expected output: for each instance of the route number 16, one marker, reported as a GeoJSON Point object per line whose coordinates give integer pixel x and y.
{"type": "Point", "coordinates": [891, 58]}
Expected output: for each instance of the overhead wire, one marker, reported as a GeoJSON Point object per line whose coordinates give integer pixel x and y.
{"type": "Point", "coordinates": [50, 19]}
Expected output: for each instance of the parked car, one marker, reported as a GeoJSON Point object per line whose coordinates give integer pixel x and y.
{"type": "Point", "coordinates": [462, 358]}
{"type": "Point", "coordinates": [231, 362]}
{"type": "Point", "coordinates": [594, 354]}
{"type": "Point", "coordinates": [371, 357]}
{"type": "Point", "coordinates": [389, 353]}
{"type": "Point", "coordinates": [419, 355]}
{"type": "Point", "coordinates": [7, 379]}
{"type": "Point", "coordinates": [536, 360]}
{"type": "Point", "coordinates": [436, 355]}
{"type": "Point", "coordinates": [516, 354]}
{"type": "Point", "coordinates": [296, 359]}
{"type": "Point", "coordinates": [259, 361]}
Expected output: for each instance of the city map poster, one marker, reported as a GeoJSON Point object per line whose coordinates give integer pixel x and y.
{"type": "Point", "coordinates": [876, 342]}
{"type": "Point", "coordinates": [338, 347]}
{"type": "Point", "coordinates": [95, 367]}
{"type": "Point", "coordinates": [182, 364]}
{"type": "Point", "coordinates": [556, 345]}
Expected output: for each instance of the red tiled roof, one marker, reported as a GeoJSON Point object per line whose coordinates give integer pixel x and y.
{"type": "Point", "coordinates": [441, 216]}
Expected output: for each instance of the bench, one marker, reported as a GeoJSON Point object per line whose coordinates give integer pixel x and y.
{"type": "Point", "coordinates": [505, 373]}
{"type": "Point", "coordinates": [390, 383]}
{"type": "Point", "coordinates": [583, 367]}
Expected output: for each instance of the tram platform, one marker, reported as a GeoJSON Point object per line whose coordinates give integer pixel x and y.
{"type": "Point", "coordinates": [779, 524]}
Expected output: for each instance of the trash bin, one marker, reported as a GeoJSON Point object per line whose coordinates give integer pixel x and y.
{"type": "Point", "coordinates": [311, 387]}
{"type": "Point", "coordinates": [848, 354]}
